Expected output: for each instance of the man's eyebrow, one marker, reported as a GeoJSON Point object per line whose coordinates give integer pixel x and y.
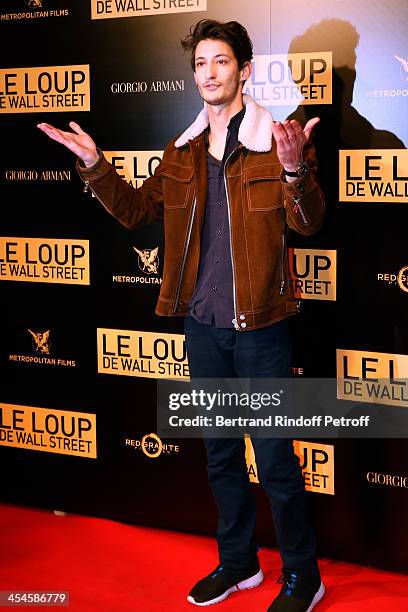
{"type": "Point", "coordinates": [219, 55]}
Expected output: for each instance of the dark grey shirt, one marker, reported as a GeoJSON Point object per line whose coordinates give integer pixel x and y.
{"type": "Point", "coordinates": [212, 300]}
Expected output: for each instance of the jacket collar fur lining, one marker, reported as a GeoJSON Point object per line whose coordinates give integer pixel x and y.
{"type": "Point", "coordinates": [255, 131]}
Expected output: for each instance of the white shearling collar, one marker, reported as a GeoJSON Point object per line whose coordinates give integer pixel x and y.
{"type": "Point", "coordinates": [255, 131]}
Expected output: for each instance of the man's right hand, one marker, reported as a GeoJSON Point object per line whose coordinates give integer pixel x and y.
{"type": "Point", "coordinates": [78, 141]}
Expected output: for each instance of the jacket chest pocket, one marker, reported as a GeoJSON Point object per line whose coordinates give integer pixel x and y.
{"type": "Point", "coordinates": [177, 184]}
{"type": "Point", "coordinates": [263, 187]}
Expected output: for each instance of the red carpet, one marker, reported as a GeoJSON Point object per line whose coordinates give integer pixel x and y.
{"type": "Point", "coordinates": [109, 566]}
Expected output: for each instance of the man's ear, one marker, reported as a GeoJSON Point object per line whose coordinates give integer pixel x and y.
{"type": "Point", "coordinates": [246, 71]}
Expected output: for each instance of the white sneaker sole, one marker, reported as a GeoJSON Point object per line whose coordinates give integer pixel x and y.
{"type": "Point", "coordinates": [249, 583]}
{"type": "Point", "coordinates": [319, 595]}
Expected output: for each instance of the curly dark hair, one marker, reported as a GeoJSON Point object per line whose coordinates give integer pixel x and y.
{"type": "Point", "coordinates": [232, 32]}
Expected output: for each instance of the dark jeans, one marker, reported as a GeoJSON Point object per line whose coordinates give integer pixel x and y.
{"type": "Point", "coordinates": [262, 353]}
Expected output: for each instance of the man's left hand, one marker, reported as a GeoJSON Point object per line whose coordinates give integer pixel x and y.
{"type": "Point", "coordinates": [290, 140]}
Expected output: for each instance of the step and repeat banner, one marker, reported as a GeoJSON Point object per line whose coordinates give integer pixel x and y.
{"type": "Point", "coordinates": [81, 347]}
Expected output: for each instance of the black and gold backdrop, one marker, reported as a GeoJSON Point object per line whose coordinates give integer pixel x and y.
{"type": "Point", "coordinates": [81, 348]}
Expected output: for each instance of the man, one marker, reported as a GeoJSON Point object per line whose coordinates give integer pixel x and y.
{"type": "Point", "coordinates": [228, 188]}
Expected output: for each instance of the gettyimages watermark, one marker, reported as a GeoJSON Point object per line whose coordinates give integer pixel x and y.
{"type": "Point", "coordinates": [284, 408]}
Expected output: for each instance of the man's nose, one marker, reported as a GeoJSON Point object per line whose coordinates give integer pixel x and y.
{"type": "Point", "coordinates": [209, 70]}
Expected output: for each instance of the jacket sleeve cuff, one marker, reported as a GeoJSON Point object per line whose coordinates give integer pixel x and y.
{"type": "Point", "coordinates": [297, 187]}
{"type": "Point", "coordinates": [98, 170]}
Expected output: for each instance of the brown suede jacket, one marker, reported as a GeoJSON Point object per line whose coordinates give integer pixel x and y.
{"type": "Point", "coordinates": [261, 206]}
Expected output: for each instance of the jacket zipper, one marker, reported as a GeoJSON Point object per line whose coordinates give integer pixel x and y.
{"type": "Point", "coordinates": [88, 187]}
{"type": "Point", "coordinates": [235, 319]}
{"type": "Point", "coordinates": [282, 265]}
{"type": "Point", "coordinates": [299, 208]}
{"type": "Point", "coordinates": [186, 244]}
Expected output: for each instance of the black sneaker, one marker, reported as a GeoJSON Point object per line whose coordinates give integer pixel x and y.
{"type": "Point", "coordinates": [299, 593]}
{"type": "Point", "coordinates": [222, 582]}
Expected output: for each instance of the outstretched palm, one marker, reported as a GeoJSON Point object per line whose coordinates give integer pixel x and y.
{"type": "Point", "coordinates": [78, 141]}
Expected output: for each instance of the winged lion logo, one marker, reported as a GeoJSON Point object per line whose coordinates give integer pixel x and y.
{"type": "Point", "coordinates": [404, 67]}
{"type": "Point", "coordinates": [148, 260]}
{"type": "Point", "coordinates": [41, 341]}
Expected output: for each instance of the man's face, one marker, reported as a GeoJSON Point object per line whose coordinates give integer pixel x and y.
{"type": "Point", "coordinates": [217, 75]}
